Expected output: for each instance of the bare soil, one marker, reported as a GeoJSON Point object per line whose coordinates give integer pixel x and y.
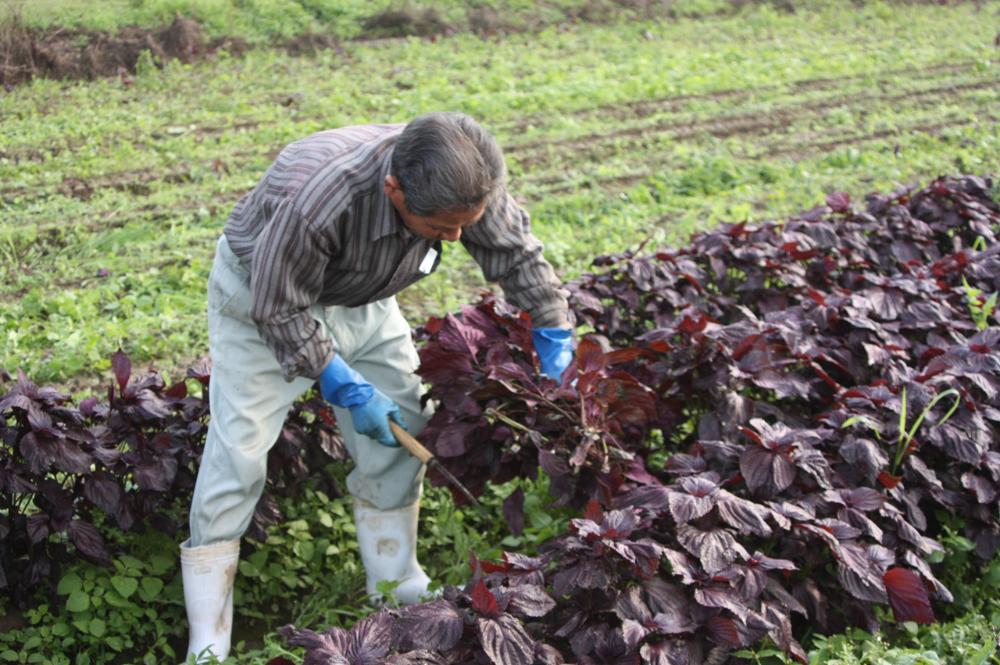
{"type": "Point", "coordinates": [26, 53]}
{"type": "Point", "coordinates": [802, 151]}
{"type": "Point", "coordinates": [595, 147]}
{"type": "Point", "coordinates": [405, 21]}
{"type": "Point", "coordinates": [735, 96]}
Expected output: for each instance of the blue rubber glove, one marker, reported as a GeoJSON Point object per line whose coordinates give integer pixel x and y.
{"type": "Point", "coordinates": [370, 408]}
{"type": "Point", "coordinates": [555, 350]}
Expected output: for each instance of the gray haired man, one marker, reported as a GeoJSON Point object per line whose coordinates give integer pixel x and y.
{"type": "Point", "coordinates": [302, 290]}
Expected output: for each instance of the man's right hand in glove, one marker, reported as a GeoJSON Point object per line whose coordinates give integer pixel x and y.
{"type": "Point", "coordinates": [370, 408]}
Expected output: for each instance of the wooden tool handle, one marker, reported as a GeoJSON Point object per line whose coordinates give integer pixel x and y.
{"type": "Point", "coordinates": [407, 441]}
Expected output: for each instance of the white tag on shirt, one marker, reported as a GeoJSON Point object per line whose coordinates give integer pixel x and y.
{"type": "Point", "coordinates": [428, 263]}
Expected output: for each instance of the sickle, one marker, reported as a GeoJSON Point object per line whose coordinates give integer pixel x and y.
{"type": "Point", "coordinates": [421, 453]}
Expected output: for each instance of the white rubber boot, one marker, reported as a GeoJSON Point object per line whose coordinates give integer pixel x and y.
{"type": "Point", "coordinates": [208, 573]}
{"type": "Point", "coordinates": [388, 543]}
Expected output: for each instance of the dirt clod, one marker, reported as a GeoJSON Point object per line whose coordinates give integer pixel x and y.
{"type": "Point", "coordinates": [311, 43]}
{"type": "Point", "coordinates": [26, 53]}
{"type": "Point", "coordinates": [406, 21]}
{"type": "Point", "coordinates": [486, 21]}
{"type": "Point", "coordinates": [183, 39]}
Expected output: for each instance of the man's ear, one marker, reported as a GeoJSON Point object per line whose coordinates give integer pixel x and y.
{"type": "Point", "coordinates": [395, 193]}
{"type": "Point", "coordinates": [391, 185]}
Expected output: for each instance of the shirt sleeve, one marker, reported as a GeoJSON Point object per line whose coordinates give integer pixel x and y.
{"type": "Point", "coordinates": [286, 280]}
{"type": "Point", "coordinates": [507, 252]}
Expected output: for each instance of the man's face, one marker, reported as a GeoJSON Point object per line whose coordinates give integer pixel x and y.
{"type": "Point", "coordinates": [442, 226]}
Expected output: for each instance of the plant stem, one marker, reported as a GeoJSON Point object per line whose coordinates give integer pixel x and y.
{"type": "Point", "coordinates": [906, 437]}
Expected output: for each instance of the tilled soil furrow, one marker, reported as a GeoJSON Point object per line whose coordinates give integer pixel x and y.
{"type": "Point", "coordinates": [118, 218]}
{"type": "Point", "coordinates": [620, 111]}
{"type": "Point", "coordinates": [595, 147]}
{"type": "Point", "coordinates": [805, 150]}
{"type": "Point", "coordinates": [137, 182]}
{"type": "Point", "coordinates": [591, 147]}
{"type": "Point", "coordinates": [43, 153]}
{"type": "Point", "coordinates": [644, 108]}
{"type": "Point", "coordinates": [812, 147]}
{"type": "Point", "coordinates": [78, 282]}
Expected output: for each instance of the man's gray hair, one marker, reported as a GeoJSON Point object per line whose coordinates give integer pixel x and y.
{"type": "Point", "coordinates": [446, 162]}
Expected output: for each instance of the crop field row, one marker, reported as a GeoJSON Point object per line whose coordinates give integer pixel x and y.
{"type": "Point", "coordinates": [780, 127]}
{"type": "Point", "coordinates": [820, 124]}
{"type": "Point", "coordinates": [776, 115]}
{"type": "Point", "coordinates": [615, 135]}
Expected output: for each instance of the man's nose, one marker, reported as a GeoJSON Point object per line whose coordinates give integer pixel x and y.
{"type": "Point", "coordinates": [451, 236]}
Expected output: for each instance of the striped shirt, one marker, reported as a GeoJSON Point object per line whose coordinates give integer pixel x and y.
{"type": "Point", "coordinates": [319, 229]}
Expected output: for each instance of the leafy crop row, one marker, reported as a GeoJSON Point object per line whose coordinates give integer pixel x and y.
{"type": "Point", "coordinates": [766, 428]}
{"type": "Point", "coordinates": [68, 472]}
{"type": "Point", "coordinates": [760, 427]}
